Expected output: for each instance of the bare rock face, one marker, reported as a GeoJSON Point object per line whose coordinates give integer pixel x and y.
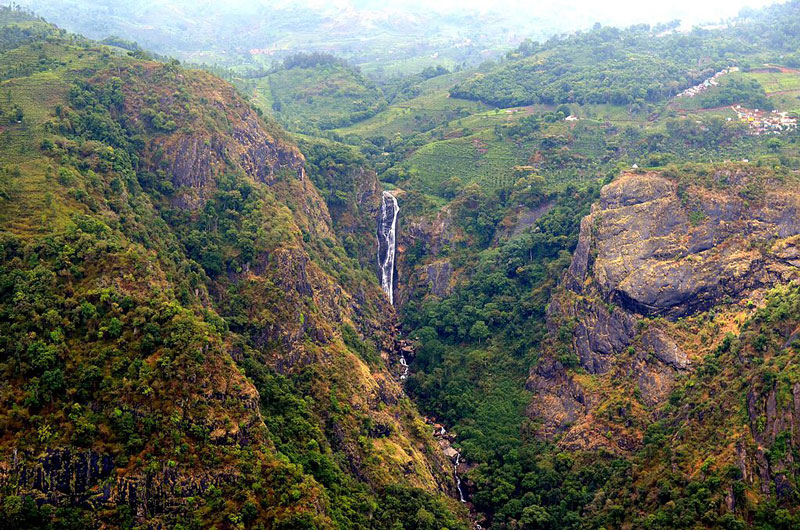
{"type": "Point", "coordinates": [770, 419]}
{"type": "Point", "coordinates": [655, 253]}
{"type": "Point", "coordinates": [439, 274]}
{"type": "Point", "coordinates": [432, 235]}
{"type": "Point", "coordinates": [653, 250]}
{"type": "Point", "coordinates": [600, 334]}
{"type": "Point", "coordinates": [664, 349]}
{"type": "Point", "coordinates": [557, 395]}
{"type": "Point", "coordinates": [88, 479]}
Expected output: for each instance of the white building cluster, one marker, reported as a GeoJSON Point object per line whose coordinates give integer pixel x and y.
{"type": "Point", "coordinates": [708, 83]}
{"type": "Point", "coordinates": [765, 122]}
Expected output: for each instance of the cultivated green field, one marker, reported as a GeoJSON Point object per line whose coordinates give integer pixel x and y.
{"type": "Point", "coordinates": [478, 158]}
{"type": "Point", "coordinates": [420, 114]}
{"type": "Point", "coordinates": [432, 108]}
{"type": "Point", "coordinates": [776, 81]}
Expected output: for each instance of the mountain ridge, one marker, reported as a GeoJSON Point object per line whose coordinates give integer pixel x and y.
{"type": "Point", "coordinates": [157, 377]}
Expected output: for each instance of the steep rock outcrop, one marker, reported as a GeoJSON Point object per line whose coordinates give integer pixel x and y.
{"type": "Point", "coordinates": [221, 133]}
{"type": "Point", "coordinates": [656, 252]}
{"type": "Point", "coordinates": [655, 249]}
{"type": "Point", "coordinates": [428, 236]}
{"type": "Point", "coordinates": [522, 218]}
{"type": "Point", "coordinates": [439, 274]}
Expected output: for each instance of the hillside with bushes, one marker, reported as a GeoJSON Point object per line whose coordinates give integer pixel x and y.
{"type": "Point", "coordinates": [185, 341]}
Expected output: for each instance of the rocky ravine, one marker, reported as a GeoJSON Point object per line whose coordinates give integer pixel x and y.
{"type": "Point", "coordinates": [655, 249]}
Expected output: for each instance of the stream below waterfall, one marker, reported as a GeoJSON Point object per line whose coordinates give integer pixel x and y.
{"type": "Point", "coordinates": [387, 240]}
{"type": "Point", "coordinates": [445, 440]}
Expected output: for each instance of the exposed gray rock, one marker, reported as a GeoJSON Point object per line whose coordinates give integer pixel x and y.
{"type": "Point", "coordinates": [664, 348]}
{"type": "Point", "coordinates": [648, 250]}
{"type": "Point", "coordinates": [644, 253]}
{"type": "Point", "coordinates": [87, 479]}
{"type": "Point", "coordinates": [526, 217]}
{"type": "Point", "coordinates": [559, 400]}
{"type": "Point", "coordinates": [439, 273]}
{"type": "Point", "coordinates": [432, 235]}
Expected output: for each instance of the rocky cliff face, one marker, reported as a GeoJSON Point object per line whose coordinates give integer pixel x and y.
{"type": "Point", "coordinates": [213, 131]}
{"type": "Point", "coordinates": [656, 252]}
{"type": "Point", "coordinates": [429, 236]}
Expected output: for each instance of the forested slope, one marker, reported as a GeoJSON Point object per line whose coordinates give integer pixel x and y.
{"type": "Point", "coordinates": [183, 341]}
{"type": "Point", "coordinates": [637, 66]}
{"type": "Point", "coordinates": [595, 286]}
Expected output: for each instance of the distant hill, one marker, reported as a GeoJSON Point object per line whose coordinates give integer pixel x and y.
{"type": "Point", "coordinates": [638, 65]}
{"type": "Point", "coordinates": [310, 92]}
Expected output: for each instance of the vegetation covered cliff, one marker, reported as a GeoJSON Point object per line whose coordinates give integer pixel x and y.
{"type": "Point", "coordinates": [671, 346]}
{"type": "Point", "coordinates": [185, 342]}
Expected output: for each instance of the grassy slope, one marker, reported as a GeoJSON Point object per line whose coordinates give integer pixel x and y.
{"type": "Point", "coordinates": [320, 97]}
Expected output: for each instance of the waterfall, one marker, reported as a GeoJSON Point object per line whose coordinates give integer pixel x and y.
{"type": "Point", "coordinates": [458, 478]}
{"type": "Point", "coordinates": [404, 364]}
{"type": "Point", "coordinates": [387, 226]}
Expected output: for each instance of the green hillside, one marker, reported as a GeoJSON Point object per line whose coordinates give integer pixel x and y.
{"type": "Point", "coordinates": [180, 345]}
{"type": "Point", "coordinates": [493, 202]}
{"type": "Point", "coordinates": [316, 92]}
{"type": "Point", "coordinates": [595, 307]}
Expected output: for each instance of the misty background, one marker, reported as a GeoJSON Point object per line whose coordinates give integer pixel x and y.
{"type": "Point", "coordinates": [380, 37]}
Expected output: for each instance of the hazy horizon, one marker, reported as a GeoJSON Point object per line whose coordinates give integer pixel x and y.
{"type": "Point", "coordinates": [615, 12]}
{"type": "Point", "coordinates": [396, 35]}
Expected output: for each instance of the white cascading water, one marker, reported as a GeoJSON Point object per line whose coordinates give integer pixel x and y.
{"type": "Point", "coordinates": [458, 478]}
{"type": "Point", "coordinates": [387, 226]}
{"type": "Point", "coordinates": [387, 233]}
